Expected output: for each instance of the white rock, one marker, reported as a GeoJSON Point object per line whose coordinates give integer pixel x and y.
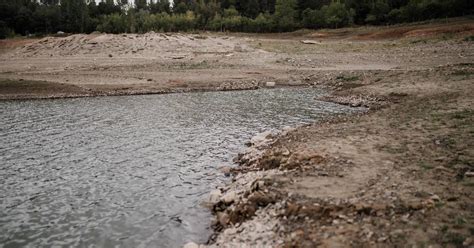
{"type": "Point", "coordinates": [270, 84]}
{"type": "Point", "coordinates": [215, 196]}
{"type": "Point", "coordinates": [261, 138]}
{"type": "Point", "coordinates": [230, 197]}
{"type": "Point", "coordinates": [191, 245]}
{"type": "Point", "coordinates": [309, 42]}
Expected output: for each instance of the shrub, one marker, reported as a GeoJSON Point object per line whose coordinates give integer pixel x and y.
{"type": "Point", "coordinates": [114, 23]}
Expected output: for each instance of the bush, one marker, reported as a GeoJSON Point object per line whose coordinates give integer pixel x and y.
{"type": "Point", "coordinates": [262, 23]}
{"type": "Point", "coordinates": [313, 18]}
{"type": "Point", "coordinates": [337, 15]}
{"type": "Point", "coordinates": [5, 31]}
{"type": "Point", "coordinates": [285, 15]}
{"type": "Point", "coordinates": [114, 23]}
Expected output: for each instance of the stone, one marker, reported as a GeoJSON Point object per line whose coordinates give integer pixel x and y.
{"type": "Point", "coordinates": [469, 174]}
{"type": "Point", "coordinates": [467, 242]}
{"type": "Point", "coordinates": [229, 197]}
{"type": "Point", "coordinates": [261, 138]}
{"type": "Point", "coordinates": [311, 42]}
{"type": "Point", "coordinates": [270, 84]}
{"type": "Point", "coordinates": [238, 48]}
{"type": "Point", "coordinates": [435, 198]}
{"type": "Point", "coordinates": [191, 245]}
{"type": "Point", "coordinates": [285, 152]}
{"type": "Point", "coordinates": [215, 196]}
{"type": "Point", "coordinates": [223, 218]}
{"type": "Point", "coordinates": [226, 170]}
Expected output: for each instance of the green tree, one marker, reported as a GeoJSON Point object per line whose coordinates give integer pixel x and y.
{"type": "Point", "coordinates": [285, 15]}
{"type": "Point", "coordinates": [337, 15]}
{"type": "Point", "coordinates": [114, 23]}
{"type": "Point", "coordinates": [74, 15]}
{"type": "Point", "coordinates": [313, 18]}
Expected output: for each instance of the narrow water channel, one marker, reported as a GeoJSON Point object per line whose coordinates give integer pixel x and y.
{"type": "Point", "coordinates": [129, 171]}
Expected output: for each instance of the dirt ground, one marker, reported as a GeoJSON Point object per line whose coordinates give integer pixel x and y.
{"type": "Point", "coordinates": [400, 175]}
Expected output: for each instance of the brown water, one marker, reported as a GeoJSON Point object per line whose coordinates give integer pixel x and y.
{"type": "Point", "coordinates": [129, 171]}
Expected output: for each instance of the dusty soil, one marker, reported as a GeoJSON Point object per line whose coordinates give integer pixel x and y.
{"type": "Point", "coordinates": [400, 175]}
{"type": "Point", "coordinates": [105, 64]}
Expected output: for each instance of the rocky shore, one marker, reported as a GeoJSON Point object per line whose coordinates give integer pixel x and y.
{"type": "Point", "coordinates": [385, 178]}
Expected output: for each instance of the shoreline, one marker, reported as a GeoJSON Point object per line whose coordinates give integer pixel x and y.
{"type": "Point", "coordinates": [261, 206]}
{"type": "Point", "coordinates": [132, 92]}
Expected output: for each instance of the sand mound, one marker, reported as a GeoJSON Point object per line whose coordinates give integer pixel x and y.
{"type": "Point", "coordinates": [136, 45]}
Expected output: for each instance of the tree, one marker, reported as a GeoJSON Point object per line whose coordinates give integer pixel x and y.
{"type": "Point", "coordinates": [141, 4]}
{"type": "Point", "coordinates": [313, 18]}
{"type": "Point", "coordinates": [160, 7]}
{"type": "Point", "coordinates": [337, 15]}
{"type": "Point", "coordinates": [74, 15]}
{"type": "Point", "coordinates": [285, 15]}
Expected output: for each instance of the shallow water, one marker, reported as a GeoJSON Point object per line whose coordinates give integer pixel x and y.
{"type": "Point", "coordinates": [129, 171]}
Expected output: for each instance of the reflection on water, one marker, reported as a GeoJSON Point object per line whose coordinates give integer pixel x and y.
{"type": "Point", "coordinates": [128, 171]}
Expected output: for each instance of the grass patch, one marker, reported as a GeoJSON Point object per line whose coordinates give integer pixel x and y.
{"type": "Point", "coordinates": [463, 114]}
{"type": "Point", "coordinates": [462, 73]}
{"type": "Point", "coordinates": [469, 38]}
{"type": "Point", "coordinates": [418, 41]}
{"type": "Point", "coordinates": [454, 238]}
{"type": "Point", "coordinates": [468, 184]}
{"type": "Point", "coordinates": [348, 78]}
{"type": "Point", "coordinates": [426, 166]}
{"type": "Point", "coordinates": [459, 222]}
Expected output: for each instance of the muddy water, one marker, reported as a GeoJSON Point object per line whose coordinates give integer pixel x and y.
{"type": "Point", "coordinates": [128, 171]}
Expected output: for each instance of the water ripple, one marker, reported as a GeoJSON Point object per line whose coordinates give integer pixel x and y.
{"type": "Point", "coordinates": [128, 171]}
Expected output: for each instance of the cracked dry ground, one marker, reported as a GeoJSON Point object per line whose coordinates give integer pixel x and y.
{"type": "Point", "coordinates": [398, 176]}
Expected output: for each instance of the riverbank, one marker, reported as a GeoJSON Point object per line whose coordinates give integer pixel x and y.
{"type": "Point", "coordinates": [154, 63]}
{"type": "Point", "coordinates": [400, 175]}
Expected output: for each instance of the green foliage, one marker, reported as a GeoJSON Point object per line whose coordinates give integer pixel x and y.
{"type": "Point", "coordinates": [333, 15]}
{"type": "Point", "coordinates": [285, 15]}
{"type": "Point", "coordinates": [48, 16]}
{"type": "Point", "coordinates": [5, 31]}
{"type": "Point", "coordinates": [113, 23]}
{"type": "Point", "coordinates": [337, 15]}
{"type": "Point", "coordinates": [75, 15]}
{"type": "Point", "coordinates": [313, 18]}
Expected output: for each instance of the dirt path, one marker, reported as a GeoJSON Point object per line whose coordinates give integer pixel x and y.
{"type": "Point", "coordinates": [400, 175]}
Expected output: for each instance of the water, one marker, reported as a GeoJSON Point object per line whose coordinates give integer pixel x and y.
{"type": "Point", "coordinates": [128, 171]}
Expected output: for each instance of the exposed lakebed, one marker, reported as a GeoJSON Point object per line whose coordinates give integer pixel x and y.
{"type": "Point", "coordinates": [129, 171]}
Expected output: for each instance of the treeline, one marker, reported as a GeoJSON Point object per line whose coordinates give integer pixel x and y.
{"type": "Point", "coordinates": [84, 16]}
